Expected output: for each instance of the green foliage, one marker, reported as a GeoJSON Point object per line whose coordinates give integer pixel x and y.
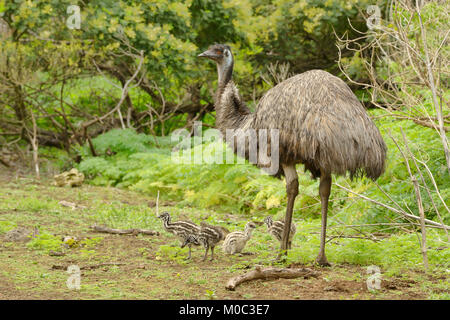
{"type": "Point", "coordinates": [213, 21]}
{"type": "Point", "coordinates": [171, 34]}
{"type": "Point", "coordinates": [395, 253]}
{"type": "Point", "coordinates": [173, 253]}
{"type": "Point", "coordinates": [210, 294]}
{"type": "Point", "coordinates": [32, 203]}
{"type": "Point", "coordinates": [398, 256]}
{"type": "Point", "coordinates": [118, 140]}
{"type": "Point", "coordinates": [118, 215]}
{"type": "Point", "coordinates": [6, 226]}
{"type": "Point", "coordinates": [205, 185]}
{"type": "Point", "coordinates": [89, 243]}
{"type": "Point", "coordinates": [298, 30]}
{"type": "Point", "coordinates": [45, 242]}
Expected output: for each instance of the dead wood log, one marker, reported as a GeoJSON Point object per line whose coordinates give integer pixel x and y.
{"type": "Point", "coordinates": [135, 232]}
{"type": "Point", "coordinates": [270, 273]}
{"type": "Point", "coordinates": [89, 267]}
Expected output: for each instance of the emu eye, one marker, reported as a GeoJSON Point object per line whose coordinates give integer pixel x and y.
{"type": "Point", "coordinates": [219, 51]}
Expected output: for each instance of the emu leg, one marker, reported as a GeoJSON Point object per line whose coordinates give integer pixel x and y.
{"type": "Point", "coordinates": [324, 191]}
{"type": "Point", "coordinates": [184, 244]}
{"type": "Point", "coordinates": [206, 253]}
{"type": "Point", "coordinates": [212, 254]}
{"type": "Point", "coordinates": [189, 255]}
{"type": "Point", "coordinates": [292, 192]}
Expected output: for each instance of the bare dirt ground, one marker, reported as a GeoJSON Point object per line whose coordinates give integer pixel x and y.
{"type": "Point", "coordinates": [141, 271]}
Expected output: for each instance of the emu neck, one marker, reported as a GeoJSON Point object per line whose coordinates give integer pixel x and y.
{"type": "Point", "coordinates": [225, 72]}
{"type": "Point", "coordinates": [167, 224]}
{"type": "Point", "coordinates": [248, 233]}
{"type": "Point", "coordinates": [231, 112]}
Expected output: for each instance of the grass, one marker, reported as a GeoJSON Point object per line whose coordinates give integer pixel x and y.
{"type": "Point", "coordinates": [149, 262]}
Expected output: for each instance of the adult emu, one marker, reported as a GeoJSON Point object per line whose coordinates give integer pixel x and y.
{"type": "Point", "coordinates": [321, 124]}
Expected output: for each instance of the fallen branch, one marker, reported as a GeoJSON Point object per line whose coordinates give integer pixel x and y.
{"type": "Point", "coordinates": [90, 267]}
{"type": "Point", "coordinates": [135, 232]}
{"type": "Point", "coordinates": [56, 253]}
{"type": "Point", "coordinates": [270, 273]}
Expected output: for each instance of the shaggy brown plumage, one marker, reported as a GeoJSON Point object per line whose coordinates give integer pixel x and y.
{"type": "Point", "coordinates": [321, 124]}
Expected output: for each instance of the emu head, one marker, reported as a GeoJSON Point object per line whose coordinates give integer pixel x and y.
{"type": "Point", "coordinates": [164, 216]}
{"type": "Point", "coordinates": [250, 225]}
{"type": "Point", "coordinates": [217, 52]}
{"type": "Point", "coordinates": [268, 221]}
{"type": "Point", "coordinates": [221, 54]}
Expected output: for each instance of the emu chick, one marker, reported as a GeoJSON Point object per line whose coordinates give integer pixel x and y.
{"type": "Point", "coordinates": [236, 241]}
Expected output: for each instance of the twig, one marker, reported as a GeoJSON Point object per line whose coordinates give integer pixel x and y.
{"type": "Point", "coordinates": [103, 229]}
{"type": "Point", "coordinates": [435, 186]}
{"type": "Point", "coordinates": [433, 89]}
{"type": "Point", "coordinates": [365, 236]}
{"type": "Point", "coordinates": [123, 95]}
{"type": "Point", "coordinates": [399, 224]}
{"type": "Point", "coordinates": [437, 225]}
{"type": "Point", "coordinates": [374, 239]}
{"type": "Point", "coordinates": [419, 200]}
{"type": "Point", "coordinates": [35, 145]}
{"type": "Point", "coordinates": [157, 205]}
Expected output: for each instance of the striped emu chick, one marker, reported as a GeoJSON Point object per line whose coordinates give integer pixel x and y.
{"type": "Point", "coordinates": [276, 228]}
{"type": "Point", "coordinates": [209, 237]}
{"type": "Point", "coordinates": [236, 241]}
{"type": "Point", "coordinates": [182, 229]}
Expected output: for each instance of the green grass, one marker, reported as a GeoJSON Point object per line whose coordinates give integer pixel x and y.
{"type": "Point", "coordinates": [29, 267]}
{"type": "Point", "coordinates": [395, 252]}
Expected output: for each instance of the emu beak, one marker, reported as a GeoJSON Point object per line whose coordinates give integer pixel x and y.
{"type": "Point", "coordinates": [208, 54]}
